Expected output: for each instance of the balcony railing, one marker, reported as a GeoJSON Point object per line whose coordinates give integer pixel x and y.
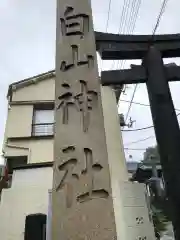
{"type": "Point", "coordinates": [43, 129]}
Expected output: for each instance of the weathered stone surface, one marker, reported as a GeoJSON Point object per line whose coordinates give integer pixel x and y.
{"type": "Point", "coordinates": [82, 195]}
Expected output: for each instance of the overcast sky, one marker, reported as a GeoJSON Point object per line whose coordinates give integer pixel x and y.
{"type": "Point", "coordinates": [27, 48]}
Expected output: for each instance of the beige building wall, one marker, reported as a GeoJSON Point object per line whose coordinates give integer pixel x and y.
{"type": "Point", "coordinates": [19, 123]}
{"type": "Point", "coordinates": [37, 150]}
{"type": "Point", "coordinates": [28, 195]}
{"type": "Point", "coordinates": [38, 91]}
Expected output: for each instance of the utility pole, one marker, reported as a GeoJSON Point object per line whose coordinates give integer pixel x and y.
{"type": "Point", "coordinates": [156, 76]}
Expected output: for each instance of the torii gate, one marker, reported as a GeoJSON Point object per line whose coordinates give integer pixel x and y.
{"type": "Point", "coordinates": [156, 76]}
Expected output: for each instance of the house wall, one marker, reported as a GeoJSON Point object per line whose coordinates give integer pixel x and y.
{"type": "Point", "coordinates": [42, 90]}
{"type": "Point", "coordinates": [37, 150]}
{"type": "Point", "coordinates": [19, 123]}
{"type": "Point", "coordinates": [28, 195]}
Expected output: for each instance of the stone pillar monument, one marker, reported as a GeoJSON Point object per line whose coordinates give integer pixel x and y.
{"type": "Point", "coordinates": [91, 196]}
{"type": "Point", "coordinates": [82, 198]}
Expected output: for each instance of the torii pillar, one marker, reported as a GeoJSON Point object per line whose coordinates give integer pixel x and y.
{"type": "Point", "coordinates": [86, 200]}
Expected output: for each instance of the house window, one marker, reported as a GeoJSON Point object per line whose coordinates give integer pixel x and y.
{"type": "Point", "coordinates": [43, 121]}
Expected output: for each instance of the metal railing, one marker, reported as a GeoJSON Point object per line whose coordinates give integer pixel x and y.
{"type": "Point", "coordinates": [43, 129]}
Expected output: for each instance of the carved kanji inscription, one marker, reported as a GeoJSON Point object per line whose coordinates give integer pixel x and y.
{"type": "Point", "coordinates": [69, 175]}
{"type": "Point", "coordinates": [67, 100]}
{"type": "Point", "coordinates": [76, 61]}
{"type": "Point", "coordinates": [66, 182]}
{"type": "Point", "coordinates": [82, 101]}
{"type": "Point", "coordinates": [85, 99]}
{"type": "Point", "coordinates": [89, 170]}
{"type": "Point", "coordinates": [74, 24]}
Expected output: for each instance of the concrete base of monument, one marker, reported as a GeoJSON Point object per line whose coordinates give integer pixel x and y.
{"type": "Point", "coordinates": [133, 219]}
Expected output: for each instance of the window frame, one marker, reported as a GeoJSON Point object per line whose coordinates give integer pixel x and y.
{"type": "Point", "coordinates": [41, 106]}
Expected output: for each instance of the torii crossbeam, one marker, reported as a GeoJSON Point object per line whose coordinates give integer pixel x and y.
{"type": "Point", "coordinates": [156, 76]}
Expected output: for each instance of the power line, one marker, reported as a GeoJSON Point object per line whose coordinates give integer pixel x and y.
{"type": "Point", "coordinates": [122, 20]}
{"type": "Point", "coordinates": [109, 10]}
{"type": "Point", "coordinates": [137, 129]}
{"type": "Point", "coordinates": [144, 128]}
{"type": "Point", "coordinates": [163, 7]}
{"type": "Point", "coordinates": [131, 27]}
{"type": "Point", "coordinates": [134, 10]}
{"type": "Point", "coordinates": [141, 104]}
{"type": "Point", "coordinates": [138, 103]}
{"type": "Point", "coordinates": [123, 17]}
{"type": "Point", "coordinates": [128, 16]}
{"type": "Point", "coordinates": [135, 16]}
{"type": "Point", "coordinates": [129, 108]}
{"type": "Point", "coordinates": [140, 140]}
{"type": "Point", "coordinates": [107, 25]}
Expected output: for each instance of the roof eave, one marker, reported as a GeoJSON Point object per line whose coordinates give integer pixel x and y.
{"type": "Point", "coordinates": [29, 81]}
